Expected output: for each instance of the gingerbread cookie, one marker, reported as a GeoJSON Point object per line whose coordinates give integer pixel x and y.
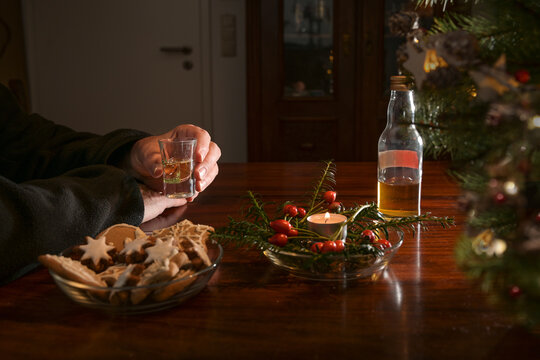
{"type": "Point", "coordinates": [134, 250]}
{"type": "Point", "coordinates": [97, 254]}
{"type": "Point", "coordinates": [71, 270]}
{"type": "Point", "coordinates": [116, 234]}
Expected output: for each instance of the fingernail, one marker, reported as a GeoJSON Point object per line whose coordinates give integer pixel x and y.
{"type": "Point", "coordinates": [202, 172]}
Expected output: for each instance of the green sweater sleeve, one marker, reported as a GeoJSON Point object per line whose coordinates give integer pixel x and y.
{"type": "Point", "coordinates": [57, 186]}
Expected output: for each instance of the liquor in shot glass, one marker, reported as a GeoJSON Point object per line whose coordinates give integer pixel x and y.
{"type": "Point", "coordinates": [178, 179]}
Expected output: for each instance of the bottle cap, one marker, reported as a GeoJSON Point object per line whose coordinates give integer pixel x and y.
{"type": "Point", "coordinates": [397, 82]}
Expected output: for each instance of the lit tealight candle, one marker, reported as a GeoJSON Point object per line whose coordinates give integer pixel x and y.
{"type": "Point", "coordinates": [327, 224]}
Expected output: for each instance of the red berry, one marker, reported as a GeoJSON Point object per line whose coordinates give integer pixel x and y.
{"type": "Point", "coordinates": [515, 291]}
{"type": "Point", "coordinates": [329, 246]}
{"type": "Point", "coordinates": [317, 247]}
{"type": "Point", "coordinates": [499, 198]}
{"type": "Point", "coordinates": [292, 232]}
{"type": "Point", "coordinates": [301, 212]}
{"type": "Point", "coordinates": [330, 196]}
{"type": "Point", "coordinates": [293, 211]}
{"type": "Point", "coordinates": [290, 210]}
{"type": "Point", "coordinates": [340, 245]}
{"type": "Point", "coordinates": [278, 240]}
{"type": "Point", "coordinates": [335, 206]}
{"type": "Point", "coordinates": [281, 226]}
{"type": "Point", "coordinates": [523, 76]}
{"type": "Point", "coordinates": [369, 235]}
{"type": "Point", "coordinates": [383, 244]}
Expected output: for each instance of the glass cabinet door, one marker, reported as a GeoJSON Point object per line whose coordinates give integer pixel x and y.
{"type": "Point", "coordinates": [308, 48]}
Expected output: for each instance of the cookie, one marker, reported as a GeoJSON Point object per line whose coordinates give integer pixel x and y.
{"type": "Point", "coordinates": [112, 273]}
{"type": "Point", "coordinates": [134, 250]}
{"type": "Point", "coordinates": [161, 251]}
{"type": "Point", "coordinates": [176, 286]}
{"type": "Point", "coordinates": [97, 254]}
{"type": "Point", "coordinates": [158, 272]}
{"type": "Point", "coordinates": [129, 277]}
{"type": "Point", "coordinates": [116, 234]}
{"type": "Point", "coordinates": [71, 270]}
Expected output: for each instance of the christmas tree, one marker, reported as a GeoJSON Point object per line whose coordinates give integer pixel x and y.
{"type": "Point", "coordinates": [477, 83]}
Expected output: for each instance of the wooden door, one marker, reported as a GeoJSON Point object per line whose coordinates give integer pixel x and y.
{"type": "Point", "coordinates": [307, 100]}
{"type": "Point", "coordinates": [98, 65]}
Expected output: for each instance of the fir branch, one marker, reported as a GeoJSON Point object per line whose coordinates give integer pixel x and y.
{"type": "Point", "coordinates": [326, 181]}
{"type": "Point", "coordinates": [257, 211]}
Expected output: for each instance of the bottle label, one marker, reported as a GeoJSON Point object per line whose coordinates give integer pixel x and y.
{"type": "Point", "coordinates": [398, 158]}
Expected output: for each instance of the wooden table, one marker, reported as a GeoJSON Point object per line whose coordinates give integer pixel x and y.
{"type": "Point", "coordinates": [421, 308]}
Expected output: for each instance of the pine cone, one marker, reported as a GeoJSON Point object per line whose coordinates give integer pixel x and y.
{"type": "Point", "coordinates": [403, 22]}
{"type": "Point", "coordinates": [458, 48]}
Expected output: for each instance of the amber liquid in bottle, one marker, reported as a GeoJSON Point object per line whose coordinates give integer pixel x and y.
{"type": "Point", "coordinates": [399, 197]}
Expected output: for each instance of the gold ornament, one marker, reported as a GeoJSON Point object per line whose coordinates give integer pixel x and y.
{"type": "Point", "coordinates": [486, 244]}
{"type": "Point", "coordinates": [493, 81]}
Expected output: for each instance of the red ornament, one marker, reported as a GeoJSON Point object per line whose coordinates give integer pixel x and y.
{"type": "Point", "coordinates": [301, 212]}
{"type": "Point", "coordinates": [523, 76]}
{"type": "Point", "coordinates": [500, 198]}
{"type": "Point", "coordinates": [281, 226]}
{"type": "Point", "coordinates": [515, 291]}
{"type": "Point", "coordinates": [278, 240]}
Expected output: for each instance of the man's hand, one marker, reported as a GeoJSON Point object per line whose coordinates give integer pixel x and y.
{"type": "Point", "coordinates": [155, 203]}
{"type": "Point", "coordinates": [145, 158]}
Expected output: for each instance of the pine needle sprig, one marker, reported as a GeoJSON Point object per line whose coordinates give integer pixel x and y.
{"type": "Point", "coordinates": [256, 210]}
{"type": "Point", "coordinates": [326, 182]}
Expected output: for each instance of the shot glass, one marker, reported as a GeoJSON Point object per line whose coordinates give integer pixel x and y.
{"type": "Point", "coordinates": [177, 161]}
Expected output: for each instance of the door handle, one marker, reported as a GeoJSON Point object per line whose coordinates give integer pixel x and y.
{"type": "Point", "coordinates": [186, 50]}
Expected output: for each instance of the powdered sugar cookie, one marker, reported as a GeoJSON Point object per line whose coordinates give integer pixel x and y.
{"type": "Point", "coordinates": [97, 254]}
{"type": "Point", "coordinates": [134, 250]}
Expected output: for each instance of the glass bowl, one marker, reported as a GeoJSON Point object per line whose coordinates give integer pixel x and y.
{"type": "Point", "coordinates": [337, 266]}
{"type": "Point", "coordinates": [97, 297]}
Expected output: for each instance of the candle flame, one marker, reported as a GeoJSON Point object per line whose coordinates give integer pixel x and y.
{"type": "Point", "coordinates": [326, 217]}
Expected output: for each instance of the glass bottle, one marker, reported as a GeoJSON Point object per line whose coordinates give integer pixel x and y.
{"type": "Point", "coordinates": [400, 150]}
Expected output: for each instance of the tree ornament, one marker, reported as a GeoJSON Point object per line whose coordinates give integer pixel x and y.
{"type": "Point", "coordinates": [515, 291]}
{"type": "Point", "coordinates": [458, 48]}
{"type": "Point", "coordinates": [415, 63]}
{"type": "Point", "coordinates": [511, 188]}
{"type": "Point", "coordinates": [401, 23]}
{"type": "Point", "coordinates": [499, 198]}
{"type": "Point", "coordinates": [443, 77]}
{"type": "Point", "coordinates": [523, 76]}
{"type": "Point", "coordinates": [486, 244]}
{"type": "Point", "coordinates": [492, 82]}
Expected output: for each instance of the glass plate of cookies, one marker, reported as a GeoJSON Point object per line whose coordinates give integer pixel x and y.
{"type": "Point", "coordinates": [124, 270]}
